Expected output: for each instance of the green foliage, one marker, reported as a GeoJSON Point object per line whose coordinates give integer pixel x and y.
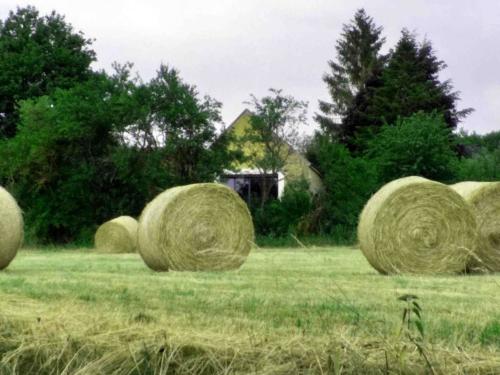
{"type": "Point", "coordinates": [481, 157]}
{"type": "Point", "coordinates": [390, 116]}
{"type": "Point", "coordinates": [358, 58]}
{"type": "Point", "coordinates": [412, 327]}
{"type": "Point", "coordinates": [412, 317]}
{"type": "Point", "coordinates": [279, 218]}
{"type": "Point", "coordinates": [107, 146]}
{"type": "Point", "coordinates": [483, 166]}
{"type": "Point", "coordinates": [38, 54]}
{"type": "Point", "coordinates": [419, 145]}
{"type": "Point", "coordinates": [409, 83]}
{"type": "Point", "coordinates": [349, 181]}
{"type": "Point", "coordinates": [490, 141]}
{"type": "Point", "coordinates": [275, 120]}
{"type": "Point", "coordinates": [474, 143]}
{"type": "Point", "coordinates": [180, 125]}
{"type": "Point", "coordinates": [59, 162]}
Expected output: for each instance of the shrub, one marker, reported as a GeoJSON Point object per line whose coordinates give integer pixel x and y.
{"type": "Point", "coordinates": [278, 218]}
{"type": "Point", "coordinates": [419, 145]}
{"type": "Point", "coordinates": [482, 166]}
{"type": "Point", "coordinates": [349, 182]}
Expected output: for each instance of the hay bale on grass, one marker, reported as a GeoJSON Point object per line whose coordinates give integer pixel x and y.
{"type": "Point", "coordinates": [414, 225]}
{"type": "Point", "coordinates": [117, 236]}
{"type": "Point", "coordinates": [11, 228]}
{"type": "Point", "coordinates": [484, 198]}
{"type": "Point", "coordinates": [199, 227]}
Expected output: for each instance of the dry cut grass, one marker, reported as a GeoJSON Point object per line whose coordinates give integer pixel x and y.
{"type": "Point", "coordinates": [287, 311]}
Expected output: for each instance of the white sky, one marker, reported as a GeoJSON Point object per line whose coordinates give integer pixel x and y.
{"type": "Point", "coordinates": [231, 48]}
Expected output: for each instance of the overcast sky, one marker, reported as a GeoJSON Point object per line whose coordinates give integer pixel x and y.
{"type": "Point", "coordinates": [231, 48]}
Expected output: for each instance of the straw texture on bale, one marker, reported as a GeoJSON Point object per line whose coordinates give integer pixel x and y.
{"type": "Point", "coordinates": [117, 236]}
{"type": "Point", "coordinates": [199, 227]}
{"type": "Point", "coordinates": [11, 228]}
{"type": "Point", "coordinates": [414, 225]}
{"type": "Point", "coordinates": [484, 198]}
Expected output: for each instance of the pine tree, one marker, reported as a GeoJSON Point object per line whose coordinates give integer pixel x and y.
{"type": "Point", "coordinates": [409, 83]}
{"type": "Point", "coordinates": [357, 58]}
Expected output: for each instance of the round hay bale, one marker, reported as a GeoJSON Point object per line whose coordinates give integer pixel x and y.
{"type": "Point", "coordinates": [11, 228]}
{"type": "Point", "coordinates": [199, 227]}
{"type": "Point", "coordinates": [484, 198]}
{"type": "Point", "coordinates": [117, 236]}
{"type": "Point", "coordinates": [414, 225]}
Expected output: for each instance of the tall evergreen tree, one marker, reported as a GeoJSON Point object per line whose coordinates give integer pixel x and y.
{"type": "Point", "coordinates": [408, 84]}
{"type": "Point", "coordinates": [358, 55]}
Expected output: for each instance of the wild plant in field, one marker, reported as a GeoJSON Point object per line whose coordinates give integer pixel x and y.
{"type": "Point", "coordinates": [412, 327]}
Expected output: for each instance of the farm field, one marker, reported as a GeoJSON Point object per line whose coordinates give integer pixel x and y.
{"type": "Point", "coordinates": [286, 311]}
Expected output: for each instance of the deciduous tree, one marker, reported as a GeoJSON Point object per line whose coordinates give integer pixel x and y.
{"type": "Point", "coordinates": [38, 54]}
{"type": "Point", "coordinates": [275, 123]}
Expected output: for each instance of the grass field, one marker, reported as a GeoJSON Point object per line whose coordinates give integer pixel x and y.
{"type": "Point", "coordinates": [286, 311]}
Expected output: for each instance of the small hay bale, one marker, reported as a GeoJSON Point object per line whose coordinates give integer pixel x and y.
{"type": "Point", "coordinates": [484, 198]}
{"type": "Point", "coordinates": [199, 227]}
{"type": "Point", "coordinates": [117, 236]}
{"type": "Point", "coordinates": [11, 228]}
{"type": "Point", "coordinates": [414, 225]}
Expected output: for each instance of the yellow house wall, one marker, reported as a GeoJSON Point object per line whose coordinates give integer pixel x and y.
{"type": "Point", "coordinates": [238, 131]}
{"type": "Point", "coordinates": [296, 166]}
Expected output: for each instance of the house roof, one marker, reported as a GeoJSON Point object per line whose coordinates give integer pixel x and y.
{"type": "Point", "coordinates": [246, 112]}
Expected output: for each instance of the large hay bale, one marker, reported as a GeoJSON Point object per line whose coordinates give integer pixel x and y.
{"type": "Point", "coordinates": [414, 225]}
{"type": "Point", "coordinates": [199, 227]}
{"type": "Point", "coordinates": [117, 236]}
{"type": "Point", "coordinates": [11, 228]}
{"type": "Point", "coordinates": [484, 198]}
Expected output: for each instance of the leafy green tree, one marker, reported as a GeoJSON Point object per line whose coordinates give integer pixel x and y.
{"type": "Point", "coordinates": [37, 55]}
{"type": "Point", "coordinates": [275, 123]}
{"type": "Point", "coordinates": [408, 84]}
{"type": "Point", "coordinates": [105, 147]}
{"type": "Point", "coordinates": [418, 145]}
{"type": "Point", "coordinates": [60, 161]}
{"type": "Point", "coordinates": [348, 183]}
{"type": "Point", "coordinates": [175, 122]}
{"type": "Point", "coordinates": [358, 58]}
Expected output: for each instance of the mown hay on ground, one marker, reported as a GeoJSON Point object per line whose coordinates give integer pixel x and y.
{"type": "Point", "coordinates": [414, 225]}
{"type": "Point", "coordinates": [199, 227]}
{"type": "Point", "coordinates": [11, 228]}
{"type": "Point", "coordinates": [484, 198]}
{"type": "Point", "coordinates": [117, 236]}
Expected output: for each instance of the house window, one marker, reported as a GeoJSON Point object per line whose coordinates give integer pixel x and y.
{"type": "Point", "coordinates": [250, 187]}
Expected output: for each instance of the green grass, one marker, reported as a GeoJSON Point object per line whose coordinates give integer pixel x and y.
{"type": "Point", "coordinates": [340, 238]}
{"type": "Point", "coordinates": [286, 311]}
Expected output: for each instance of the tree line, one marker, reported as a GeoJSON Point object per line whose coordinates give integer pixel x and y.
{"type": "Point", "coordinates": [79, 146]}
{"type": "Point", "coordinates": [390, 116]}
